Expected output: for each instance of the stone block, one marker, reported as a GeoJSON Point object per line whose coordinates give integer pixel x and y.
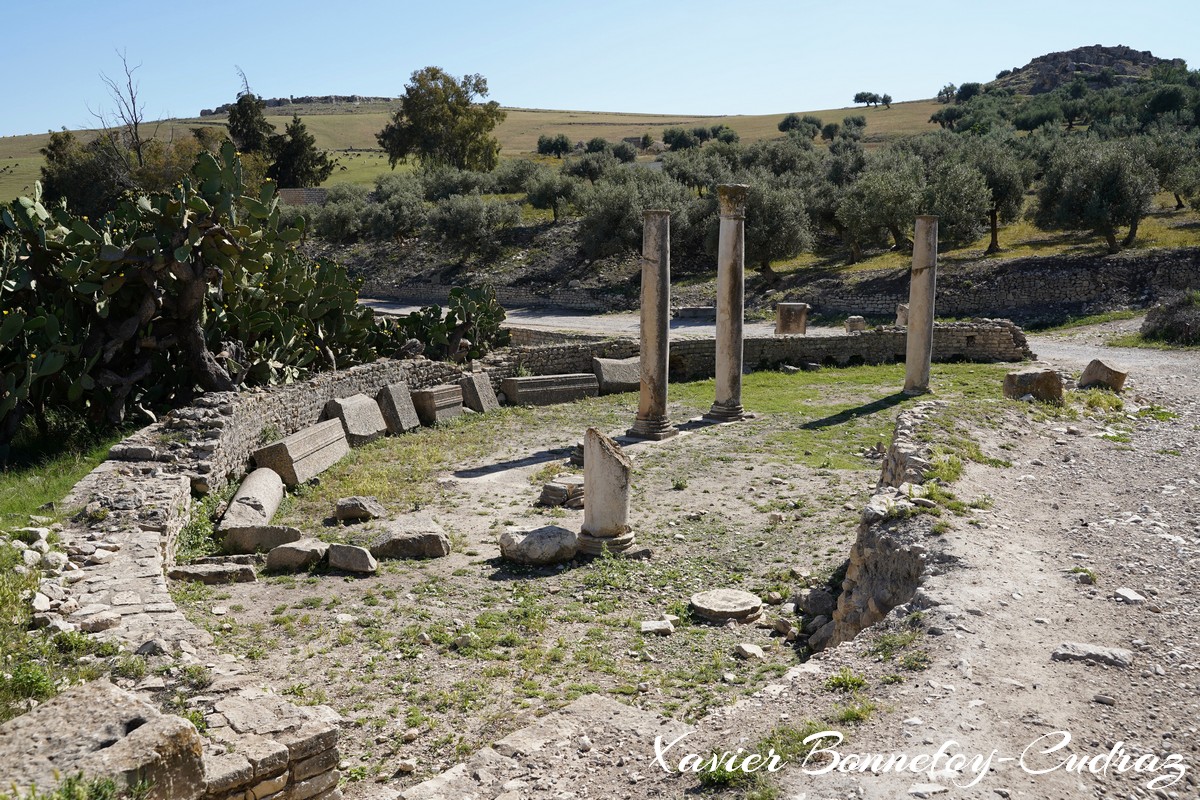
{"type": "Point", "coordinates": [616, 375]}
{"type": "Point", "coordinates": [358, 509]}
{"type": "Point", "coordinates": [538, 547]}
{"type": "Point", "coordinates": [101, 731]}
{"type": "Point", "coordinates": [301, 554]}
{"type": "Point", "coordinates": [791, 319]}
{"type": "Point", "coordinates": [855, 324]}
{"type": "Point", "coordinates": [543, 390]}
{"type": "Point", "coordinates": [360, 416]}
{"type": "Point", "coordinates": [412, 536]}
{"type": "Point", "coordinates": [349, 558]}
{"type": "Point", "coordinates": [396, 405]}
{"type": "Point", "coordinates": [305, 454]}
{"type": "Point", "coordinates": [255, 501]}
{"type": "Point", "coordinates": [259, 539]}
{"type": "Point", "coordinates": [1044, 385]}
{"type": "Point", "coordinates": [1099, 374]}
{"type": "Point", "coordinates": [477, 391]}
{"type": "Point", "coordinates": [213, 574]}
{"type": "Point", "coordinates": [438, 403]}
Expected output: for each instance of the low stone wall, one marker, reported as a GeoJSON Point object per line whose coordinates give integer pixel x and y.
{"type": "Point", "coordinates": [533, 337]}
{"type": "Point", "coordinates": [521, 297]}
{"type": "Point", "coordinates": [120, 544]}
{"type": "Point", "coordinates": [1029, 289]}
{"type": "Point", "coordinates": [888, 559]}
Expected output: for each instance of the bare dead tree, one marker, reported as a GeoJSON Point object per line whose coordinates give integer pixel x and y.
{"type": "Point", "coordinates": [130, 111]}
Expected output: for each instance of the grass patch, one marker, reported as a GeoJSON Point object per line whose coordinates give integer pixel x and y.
{"type": "Point", "coordinates": [844, 680]}
{"type": "Point", "coordinates": [1089, 319]}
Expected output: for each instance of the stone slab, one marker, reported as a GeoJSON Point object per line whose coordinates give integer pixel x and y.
{"type": "Point", "coordinates": [1079, 651]}
{"type": "Point", "coordinates": [617, 375]}
{"type": "Point", "coordinates": [351, 559]}
{"type": "Point", "coordinates": [297, 555]}
{"type": "Point", "coordinates": [438, 403]}
{"type": "Point", "coordinates": [543, 390]}
{"type": "Point", "coordinates": [102, 731]}
{"type": "Point", "coordinates": [1097, 373]}
{"type": "Point", "coordinates": [411, 536]}
{"type": "Point", "coordinates": [360, 416]}
{"type": "Point", "coordinates": [396, 405]}
{"type": "Point", "coordinates": [478, 394]}
{"type": "Point", "coordinates": [305, 454]}
{"type": "Point", "coordinates": [214, 574]}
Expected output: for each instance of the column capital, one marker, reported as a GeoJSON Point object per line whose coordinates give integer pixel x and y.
{"type": "Point", "coordinates": [732, 198]}
{"type": "Point", "coordinates": [655, 213]}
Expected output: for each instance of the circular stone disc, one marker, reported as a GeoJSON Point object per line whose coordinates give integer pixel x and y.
{"type": "Point", "coordinates": [723, 604]}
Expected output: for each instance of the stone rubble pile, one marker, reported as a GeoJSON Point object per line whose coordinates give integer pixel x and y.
{"type": "Point", "coordinates": [565, 490]}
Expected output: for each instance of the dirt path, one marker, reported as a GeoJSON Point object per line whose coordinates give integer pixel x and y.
{"type": "Point", "coordinates": [1126, 511]}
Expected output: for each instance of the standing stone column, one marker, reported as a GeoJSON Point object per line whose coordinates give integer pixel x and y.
{"type": "Point", "coordinates": [922, 287]}
{"type": "Point", "coordinates": [731, 302]}
{"type": "Point", "coordinates": [652, 422]}
{"type": "Point", "coordinates": [606, 479]}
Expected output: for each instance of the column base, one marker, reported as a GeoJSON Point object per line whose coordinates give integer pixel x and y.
{"type": "Point", "coordinates": [595, 545]}
{"type": "Point", "coordinates": [723, 413]}
{"type": "Point", "coordinates": [913, 391]}
{"type": "Point", "coordinates": [653, 429]}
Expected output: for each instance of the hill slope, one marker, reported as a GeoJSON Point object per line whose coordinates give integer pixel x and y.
{"type": "Point", "coordinates": [1120, 64]}
{"type": "Point", "coordinates": [349, 130]}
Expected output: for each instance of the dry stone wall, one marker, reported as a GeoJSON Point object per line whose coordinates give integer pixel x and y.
{"type": "Point", "coordinates": [1038, 288]}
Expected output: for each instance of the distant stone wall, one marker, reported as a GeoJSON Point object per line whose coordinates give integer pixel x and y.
{"type": "Point", "coordinates": [1034, 289]}
{"type": "Point", "coordinates": [532, 337]}
{"type": "Point", "coordinates": [303, 197]}
{"type": "Point", "coordinates": [694, 359]}
{"type": "Point", "coordinates": [1027, 289]}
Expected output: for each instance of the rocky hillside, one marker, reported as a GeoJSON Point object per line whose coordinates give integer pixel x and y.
{"type": "Point", "coordinates": [1096, 63]}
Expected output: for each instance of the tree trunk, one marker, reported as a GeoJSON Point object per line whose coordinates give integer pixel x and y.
{"type": "Point", "coordinates": [1179, 202]}
{"type": "Point", "coordinates": [211, 376]}
{"type": "Point", "coordinates": [898, 238]}
{"type": "Point", "coordinates": [994, 247]}
{"type": "Point", "coordinates": [1111, 239]}
{"type": "Point", "coordinates": [1129, 237]}
{"type": "Point", "coordinates": [769, 275]}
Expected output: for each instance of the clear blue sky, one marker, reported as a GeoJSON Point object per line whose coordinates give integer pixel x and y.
{"type": "Point", "coordinates": [665, 56]}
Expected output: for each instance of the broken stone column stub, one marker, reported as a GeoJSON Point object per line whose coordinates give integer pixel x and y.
{"type": "Point", "coordinates": [922, 289]}
{"type": "Point", "coordinates": [731, 302]}
{"type": "Point", "coordinates": [652, 421]}
{"type": "Point", "coordinates": [607, 473]}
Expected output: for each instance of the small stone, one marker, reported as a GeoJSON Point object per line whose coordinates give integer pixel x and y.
{"type": "Point", "coordinates": [585, 744]}
{"type": "Point", "coordinates": [154, 647]}
{"type": "Point", "coordinates": [1105, 700]}
{"type": "Point", "coordinates": [40, 602]}
{"type": "Point", "coordinates": [358, 508]}
{"type": "Point", "coordinates": [406, 766]}
{"type": "Point", "coordinates": [549, 544]}
{"type": "Point", "coordinates": [720, 605]}
{"type": "Point", "coordinates": [729, 677]}
{"type": "Point", "coordinates": [466, 640]}
{"type": "Point", "coordinates": [657, 627]}
{"type": "Point", "coordinates": [1078, 651]}
{"type": "Point", "coordinates": [411, 735]}
{"type": "Point", "coordinates": [747, 650]}
{"type": "Point", "coordinates": [1129, 596]}
{"type": "Point", "coordinates": [345, 619]}
{"type": "Point", "coordinates": [100, 622]}
{"type": "Point", "coordinates": [219, 611]}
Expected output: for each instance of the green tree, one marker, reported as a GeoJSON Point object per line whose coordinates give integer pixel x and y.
{"type": "Point", "coordinates": [589, 166]}
{"type": "Point", "coordinates": [86, 176]}
{"type": "Point", "coordinates": [887, 195]}
{"type": "Point", "coordinates": [558, 145]}
{"type": "Point", "coordinates": [967, 91]}
{"type": "Point", "coordinates": [777, 223]}
{"type": "Point", "coordinates": [439, 122]}
{"type": "Point", "coordinates": [625, 152]}
{"type": "Point", "coordinates": [946, 93]}
{"type": "Point", "coordinates": [296, 160]}
{"type": "Point", "coordinates": [1004, 174]}
{"type": "Point", "coordinates": [886, 99]}
{"type": "Point", "coordinates": [680, 138]}
{"type": "Point", "coordinates": [958, 194]}
{"type": "Point", "coordinates": [552, 190]}
{"type": "Point", "coordinates": [1097, 186]}
{"type": "Point", "coordinates": [248, 127]}
{"type": "Point", "coordinates": [597, 144]}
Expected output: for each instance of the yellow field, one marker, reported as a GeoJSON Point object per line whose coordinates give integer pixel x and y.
{"type": "Point", "coordinates": [345, 129]}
